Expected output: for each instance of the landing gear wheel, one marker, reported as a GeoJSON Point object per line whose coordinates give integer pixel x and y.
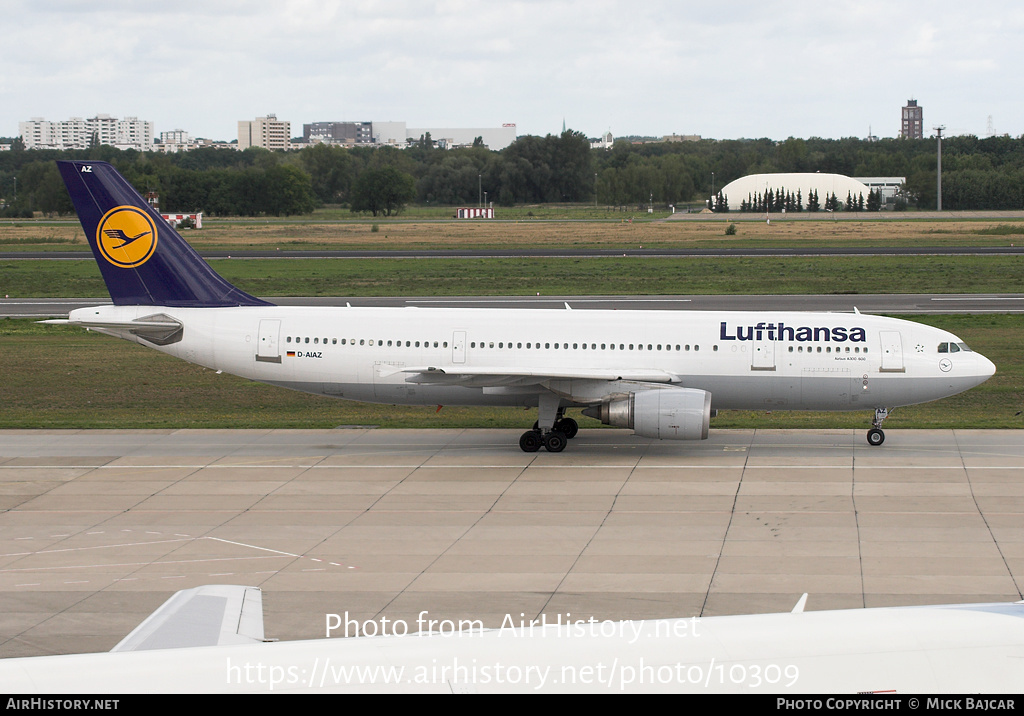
{"type": "Point", "coordinates": [875, 437]}
{"type": "Point", "coordinates": [530, 441]}
{"type": "Point", "coordinates": [568, 427]}
{"type": "Point", "coordinates": [554, 441]}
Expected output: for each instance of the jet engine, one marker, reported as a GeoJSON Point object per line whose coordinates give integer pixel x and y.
{"type": "Point", "coordinates": [666, 413]}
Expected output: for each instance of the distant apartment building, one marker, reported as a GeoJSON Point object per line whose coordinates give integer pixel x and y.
{"type": "Point", "coordinates": [78, 133]}
{"type": "Point", "coordinates": [912, 122]}
{"type": "Point", "coordinates": [396, 134]}
{"type": "Point", "coordinates": [267, 132]}
{"type": "Point", "coordinates": [344, 133]}
{"type": "Point", "coordinates": [176, 140]}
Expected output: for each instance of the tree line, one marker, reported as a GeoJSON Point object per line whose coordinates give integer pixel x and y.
{"type": "Point", "coordinates": [977, 174]}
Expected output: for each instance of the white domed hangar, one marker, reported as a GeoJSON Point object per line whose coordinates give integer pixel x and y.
{"type": "Point", "coordinates": [746, 188]}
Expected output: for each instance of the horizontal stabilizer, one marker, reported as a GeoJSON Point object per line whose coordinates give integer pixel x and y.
{"type": "Point", "coordinates": [211, 615]}
{"type": "Point", "coordinates": [159, 328]}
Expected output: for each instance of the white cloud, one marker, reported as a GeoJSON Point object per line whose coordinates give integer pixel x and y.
{"type": "Point", "coordinates": [726, 69]}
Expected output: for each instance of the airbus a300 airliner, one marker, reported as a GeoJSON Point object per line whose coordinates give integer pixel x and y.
{"type": "Point", "coordinates": [660, 373]}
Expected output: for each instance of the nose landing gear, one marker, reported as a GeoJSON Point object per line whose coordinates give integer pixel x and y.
{"type": "Point", "coordinates": [875, 435]}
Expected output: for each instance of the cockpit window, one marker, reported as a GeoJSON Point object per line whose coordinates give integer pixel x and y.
{"type": "Point", "coordinates": [963, 347]}
{"type": "Point", "coordinates": [954, 348]}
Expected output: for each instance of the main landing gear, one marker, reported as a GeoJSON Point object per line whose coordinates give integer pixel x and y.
{"type": "Point", "coordinates": [555, 440]}
{"type": "Point", "coordinates": [552, 430]}
{"type": "Point", "coordinates": [875, 435]}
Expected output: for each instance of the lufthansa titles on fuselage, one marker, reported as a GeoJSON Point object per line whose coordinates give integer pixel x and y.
{"type": "Point", "coordinates": [802, 334]}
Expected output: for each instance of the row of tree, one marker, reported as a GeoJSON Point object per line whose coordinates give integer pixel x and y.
{"type": "Point", "coordinates": [786, 201]}
{"type": "Point", "coordinates": [977, 174]}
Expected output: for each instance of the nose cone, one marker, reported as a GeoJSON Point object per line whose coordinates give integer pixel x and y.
{"type": "Point", "coordinates": [986, 368]}
{"type": "Point", "coordinates": [983, 369]}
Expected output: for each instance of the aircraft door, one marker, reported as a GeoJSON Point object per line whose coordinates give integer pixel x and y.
{"type": "Point", "coordinates": [892, 352]}
{"type": "Point", "coordinates": [762, 355]}
{"type": "Point", "coordinates": [459, 347]}
{"type": "Point", "coordinates": [268, 350]}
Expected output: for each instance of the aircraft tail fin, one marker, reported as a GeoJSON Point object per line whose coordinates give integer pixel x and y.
{"type": "Point", "coordinates": [143, 260]}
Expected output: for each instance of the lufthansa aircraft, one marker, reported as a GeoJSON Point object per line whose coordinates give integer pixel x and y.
{"type": "Point", "coordinates": [660, 373]}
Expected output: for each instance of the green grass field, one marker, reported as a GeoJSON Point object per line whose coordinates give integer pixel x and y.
{"type": "Point", "coordinates": [605, 276]}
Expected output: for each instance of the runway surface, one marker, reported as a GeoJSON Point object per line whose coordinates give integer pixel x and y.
{"type": "Point", "coordinates": [866, 303]}
{"type": "Point", "coordinates": [98, 528]}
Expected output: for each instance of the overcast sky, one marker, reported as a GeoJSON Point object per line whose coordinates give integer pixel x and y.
{"type": "Point", "coordinates": [720, 69]}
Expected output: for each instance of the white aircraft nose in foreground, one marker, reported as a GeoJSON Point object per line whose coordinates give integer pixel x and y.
{"type": "Point", "coordinates": [660, 373]}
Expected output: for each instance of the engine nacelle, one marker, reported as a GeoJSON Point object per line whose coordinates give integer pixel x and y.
{"type": "Point", "coordinates": [663, 413]}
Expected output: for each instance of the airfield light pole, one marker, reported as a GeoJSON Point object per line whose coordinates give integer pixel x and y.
{"type": "Point", "coordinates": [480, 190]}
{"type": "Point", "coordinates": [938, 166]}
{"type": "Point", "coordinates": [595, 191]}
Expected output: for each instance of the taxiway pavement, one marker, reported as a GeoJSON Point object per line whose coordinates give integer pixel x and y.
{"type": "Point", "coordinates": [99, 527]}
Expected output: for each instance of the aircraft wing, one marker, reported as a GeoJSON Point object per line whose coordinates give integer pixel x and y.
{"type": "Point", "coordinates": [502, 375]}
{"type": "Point", "coordinates": [212, 615]}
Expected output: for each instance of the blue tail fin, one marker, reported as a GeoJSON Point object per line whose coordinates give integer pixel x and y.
{"type": "Point", "coordinates": [144, 261]}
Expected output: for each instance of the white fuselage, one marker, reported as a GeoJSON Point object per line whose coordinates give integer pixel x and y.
{"type": "Point", "coordinates": [746, 360]}
{"type": "Point", "coordinates": [942, 649]}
